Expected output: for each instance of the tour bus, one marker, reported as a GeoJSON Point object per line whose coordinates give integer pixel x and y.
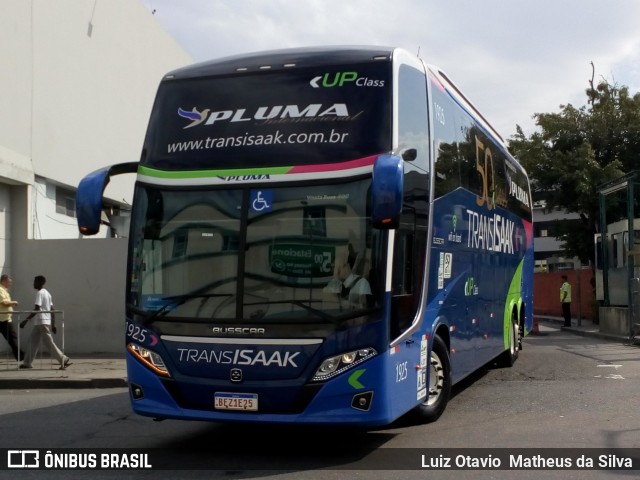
{"type": "Point", "coordinates": [318, 236]}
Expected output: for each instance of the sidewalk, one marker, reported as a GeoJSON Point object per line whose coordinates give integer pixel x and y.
{"type": "Point", "coordinates": [85, 371]}
{"type": "Point", "coordinates": [109, 371]}
{"type": "Point", "coordinates": [586, 328]}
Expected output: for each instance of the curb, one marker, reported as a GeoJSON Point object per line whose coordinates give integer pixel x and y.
{"type": "Point", "coordinates": [590, 333]}
{"type": "Point", "coordinates": [596, 334]}
{"type": "Point", "coordinates": [38, 383]}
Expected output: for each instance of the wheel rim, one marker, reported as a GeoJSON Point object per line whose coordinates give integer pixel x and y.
{"type": "Point", "coordinates": [513, 347]}
{"type": "Point", "coordinates": [436, 379]}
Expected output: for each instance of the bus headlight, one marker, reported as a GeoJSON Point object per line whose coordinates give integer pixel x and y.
{"type": "Point", "coordinates": [150, 358]}
{"type": "Point", "coordinates": [333, 366]}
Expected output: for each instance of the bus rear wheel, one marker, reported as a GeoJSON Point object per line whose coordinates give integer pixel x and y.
{"type": "Point", "coordinates": [439, 388]}
{"type": "Point", "coordinates": [510, 356]}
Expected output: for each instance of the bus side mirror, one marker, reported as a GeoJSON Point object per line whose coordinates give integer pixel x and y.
{"type": "Point", "coordinates": [387, 188]}
{"type": "Point", "coordinates": [89, 195]}
{"type": "Point", "coordinates": [409, 154]}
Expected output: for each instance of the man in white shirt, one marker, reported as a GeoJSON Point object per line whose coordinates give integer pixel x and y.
{"type": "Point", "coordinates": [44, 324]}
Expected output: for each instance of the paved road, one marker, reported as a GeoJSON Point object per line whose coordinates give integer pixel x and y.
{"type": "Point", "coordinates": [565, 391]}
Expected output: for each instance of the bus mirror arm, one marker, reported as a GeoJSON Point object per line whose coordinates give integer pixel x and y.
{"type": "Point", "coordinates": [90, 192]}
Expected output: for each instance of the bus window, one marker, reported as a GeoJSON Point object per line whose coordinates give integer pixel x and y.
{"type": "Point", "coordinates": [447, 161]}
{"type": "Point", "coordinates": [413, 126]}
{"type": "Point", "coordinates": [467, 136]}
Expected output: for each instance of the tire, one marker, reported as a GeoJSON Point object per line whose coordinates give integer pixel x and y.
{"type": "Point", "coordinates": [439, 388]}
{"type": "Point", "coordinates": [509, 357]}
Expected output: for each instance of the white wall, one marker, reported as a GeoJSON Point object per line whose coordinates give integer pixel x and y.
{"type": "Point", "coordinates": [85, 277]}
{"type": "Point", "coordinates": [78, 79]}
{"type": "Point", "coordinates": [80, 96]}
{"type": "Point", "coordinates": [5, 228]}
{"type": "Point", "coordinates": [86, 280]}
{"type": "Point", "coordinates": [16, 76]}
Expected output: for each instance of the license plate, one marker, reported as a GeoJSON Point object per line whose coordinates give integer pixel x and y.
{"type": "Point", "coordinates": [236, 401]}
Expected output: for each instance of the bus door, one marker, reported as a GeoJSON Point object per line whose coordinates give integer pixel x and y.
{"type": "Point", "coordinates": [408, 357]}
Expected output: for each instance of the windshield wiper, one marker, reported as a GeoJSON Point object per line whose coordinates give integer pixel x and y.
{"type": "Point", "coordinates": [297, 303]}
{"type": "Point", "coordinates": [177, 300]}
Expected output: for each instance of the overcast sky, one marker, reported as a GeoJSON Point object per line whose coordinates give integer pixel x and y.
{"type": "Point", "coordinates": [511, 58]}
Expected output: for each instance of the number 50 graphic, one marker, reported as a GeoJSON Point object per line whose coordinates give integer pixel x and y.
{"type": "Point", "coordinates": [482, 165]}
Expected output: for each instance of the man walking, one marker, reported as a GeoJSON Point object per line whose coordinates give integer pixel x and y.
{"type": "Point", "coordinates": [44, 324]}
{"type": "Point", "coordinates": [565, 299]}
{"type": "Point", "coordinates": [6, 309]}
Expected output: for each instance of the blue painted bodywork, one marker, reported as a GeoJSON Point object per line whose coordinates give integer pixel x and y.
{"type": "Point", "coordinates": [472, 297]}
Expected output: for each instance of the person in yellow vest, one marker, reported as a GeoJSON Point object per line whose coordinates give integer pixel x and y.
{"type": "Point", "coordinates": [565, 299]}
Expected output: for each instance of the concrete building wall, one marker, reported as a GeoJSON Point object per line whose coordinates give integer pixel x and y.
{"type": "Point", "coordinates": [94, 86]}
{"type": "Point", "coordinates": [5, 226]}
{"type": "Point", "coordinates": [82, 76]}
{"type": "Point", "coordinates": [78, 79]}
{"type": "Point", "coordinates": [85, 277]}
{"type": "Point", "coordinates": [88, 286]}
{"type": "Point", "coordinates": [549, 254]}
{"type": "Point", "coordinates": [16, 77]}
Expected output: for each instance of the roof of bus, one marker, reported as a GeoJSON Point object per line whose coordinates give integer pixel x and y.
{"type": "Point", "coordinates": [271, 60]}
{"type": "Point", "coordinates": [286, 58]}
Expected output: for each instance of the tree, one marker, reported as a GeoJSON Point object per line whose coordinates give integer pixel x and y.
{"type": "Point", "coordinates": [578, 149]}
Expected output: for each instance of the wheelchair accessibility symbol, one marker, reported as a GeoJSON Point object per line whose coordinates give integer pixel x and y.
{"type": "Point", "coordinates": [261, 200]}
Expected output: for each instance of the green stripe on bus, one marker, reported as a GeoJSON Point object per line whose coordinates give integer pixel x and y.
{"type": "Point", "coordinates": [152, 172]}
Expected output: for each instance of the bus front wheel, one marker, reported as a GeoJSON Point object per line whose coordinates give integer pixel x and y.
{"type": "Point", "coordinates": [439, 387]}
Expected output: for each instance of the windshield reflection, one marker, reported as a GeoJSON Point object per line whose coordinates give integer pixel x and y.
{"type": "Point", "coordinates": [252, 255]}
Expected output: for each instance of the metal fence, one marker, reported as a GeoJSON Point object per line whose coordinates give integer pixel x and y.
{"type": "Point", "coordinates": [23, 334]}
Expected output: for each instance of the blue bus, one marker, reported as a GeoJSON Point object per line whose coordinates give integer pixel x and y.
{"type": "Point", "coordinates": [318, 236]}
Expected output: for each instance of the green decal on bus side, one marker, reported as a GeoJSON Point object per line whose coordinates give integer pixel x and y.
{"type": "Point", "coordinates": [512, 300]}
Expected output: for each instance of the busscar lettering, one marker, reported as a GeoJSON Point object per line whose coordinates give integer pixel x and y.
{"type": "Point", "coordinates": [238, 330]}
{"type": "Point", "coordinates": [239, 357]}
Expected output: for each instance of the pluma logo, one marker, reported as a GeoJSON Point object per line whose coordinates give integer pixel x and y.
{"type": "Point", "coordinates": [194, 115]}
{"type": "Point", "coordinates": [267, 113]}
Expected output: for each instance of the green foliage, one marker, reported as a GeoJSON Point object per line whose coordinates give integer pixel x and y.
{"type": "Point", "coordinates": [578, 149]}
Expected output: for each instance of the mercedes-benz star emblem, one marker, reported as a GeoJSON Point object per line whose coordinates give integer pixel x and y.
{"type": "Point", "coordinates": [236, 375]}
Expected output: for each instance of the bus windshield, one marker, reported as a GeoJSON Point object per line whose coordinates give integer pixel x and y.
{"type": "Point", "coordinates": [303, 253]}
